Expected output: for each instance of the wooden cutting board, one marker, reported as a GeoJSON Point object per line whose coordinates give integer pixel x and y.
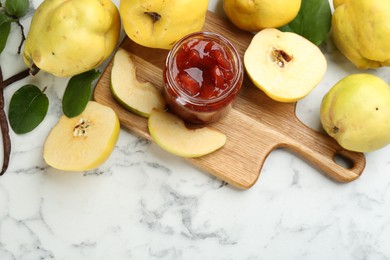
{"type": "Point", "coordinates": [254, 127]}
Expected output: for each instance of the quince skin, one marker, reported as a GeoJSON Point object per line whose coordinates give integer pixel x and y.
{"type": "Point", "coordinates": [160, 24]}
{"type": "Point", "coordinates": [356, 112]}
{"type": "Point", "coordinates": [256, 15]}
{"type": "Point", "coordinates": [68, 37]}
{"type": "Point", "coordinates": [361, 31]}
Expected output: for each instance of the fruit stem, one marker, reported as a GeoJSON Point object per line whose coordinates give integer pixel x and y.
{"type": "Point", "coordinates": [155, 16]}
{"type": "Point", "coordinates": [34, 70]}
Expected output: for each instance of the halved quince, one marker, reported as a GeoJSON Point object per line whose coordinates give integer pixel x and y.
{"type": "Point", "coordinates": [171, 134]}
{"type": "Point", "coordinates": [137, 97]}
{"type": "Point", "coordinates": [285, 65]}
{"type": "Point", "coordinates": [83, 142]}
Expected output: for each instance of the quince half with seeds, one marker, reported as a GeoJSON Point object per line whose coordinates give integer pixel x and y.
{"type": "Point", "coordinates": [83, 142]}
{"type": "Point", "coordinates": [285, 65]}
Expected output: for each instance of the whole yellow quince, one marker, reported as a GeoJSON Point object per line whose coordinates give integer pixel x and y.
{"type": "Point", "coordinates": [361, 31]}
{"type": "Point", "coordinates": [256, 15]}
{"type": "Point", "coordinates": [68, 37]}
{"type": "Point", "coordinates": [160, 24]}
{"type": "Point", "coordinates": [356, 112]}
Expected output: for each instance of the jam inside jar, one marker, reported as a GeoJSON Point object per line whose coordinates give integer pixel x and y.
{"type": "Point", "coordinates": [203, 74]}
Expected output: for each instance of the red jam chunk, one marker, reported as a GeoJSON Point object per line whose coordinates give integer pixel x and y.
{"type": "Point", "coordinates": [203, 69]}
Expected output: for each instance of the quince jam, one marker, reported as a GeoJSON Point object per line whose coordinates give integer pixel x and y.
{"type": "Point", "coordinates": [203, 74]}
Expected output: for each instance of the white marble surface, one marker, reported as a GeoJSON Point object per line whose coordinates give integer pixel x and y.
{"type": "Point", "coordinates": [146, 204]}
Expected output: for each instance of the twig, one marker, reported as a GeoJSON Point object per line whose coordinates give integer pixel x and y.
{"type": "Point", "coordinates": [5, 134]}
{"type": "Point", "coordinates": [4, 128]}
{"type": "Point", "coordinates": [23, 36]}
{"type": "Point", "coordinates": [3, 116]}
{"type": "Point", "coordinates": [21, 75]}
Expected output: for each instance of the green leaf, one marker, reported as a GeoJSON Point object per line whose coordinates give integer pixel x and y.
{"type": "Point", "coordinates": [78, 93]}
{"type": "Point", "coordinates": [5, 28]}
{"type": "Point", "coordinates": [17, 8]}
{"type": "Point", "coordinates": [27, 109]}
{"type": "Point", "coordinates": [312, 22]}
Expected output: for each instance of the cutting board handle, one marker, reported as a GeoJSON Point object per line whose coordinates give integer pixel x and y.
{"type": "Point", "coordinates": [324, 153]}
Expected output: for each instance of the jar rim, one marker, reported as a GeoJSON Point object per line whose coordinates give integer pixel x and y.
{"type": "Point", "coordinates": [237, 64]}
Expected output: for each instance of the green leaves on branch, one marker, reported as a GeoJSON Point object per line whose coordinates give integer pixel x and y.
{"type": "Point", "coordinates": [29, 104]}
{"type": "Point", "coordinates": [17, 8]}
{"type": "Point", "coordinates": [78, 93]}
{"type": "Point", "coordinates": [312, 22]}
{"type": "Point", "coordinates": [5, 28]}
{"type": "Point", "coordinates": [10, 12]}
{"type": "Point", "coordinates": [28, 107]}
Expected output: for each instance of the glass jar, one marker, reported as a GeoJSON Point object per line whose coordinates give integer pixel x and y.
{"type": "Point", "coordinates": [203, 74]}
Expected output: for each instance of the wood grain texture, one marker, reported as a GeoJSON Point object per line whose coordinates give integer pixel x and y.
{"type": "Point", "coordinates": [254, 127]}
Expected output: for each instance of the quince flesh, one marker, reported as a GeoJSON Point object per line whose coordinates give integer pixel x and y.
{"type": "Point", "coordinates": [83, 142]}
{"type": "Point", "coordinates": [171, 134]}
{"type": "Point", "coordinates": [285, 65]}
{"type": "Point", "coordinates": [259, 14]}
{"type": "Point", "coordinates": [361, 31]}
{"type": "Point", "coordinates": [356, 112]}
{"type": "Point", "coordinates": [137, 97]}
{"type": "Point", "coordinates": [160, 24]}
{"type": "Point", "coordinates": [68, 37]}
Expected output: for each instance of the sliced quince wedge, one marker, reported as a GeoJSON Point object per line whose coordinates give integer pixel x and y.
{"type": "Point", "coordinates": [138, 97]}
{"type": "Point", "coordinates": [171, 134]}
{"type": "Point", "coordinates": [285, 65]}
{"type": "Point", "coordinates": [83, 142]}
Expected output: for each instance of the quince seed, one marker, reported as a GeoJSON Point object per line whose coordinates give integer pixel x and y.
{"type": "Point", "coordinates": [81, 127]}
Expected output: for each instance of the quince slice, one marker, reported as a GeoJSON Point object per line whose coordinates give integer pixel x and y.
{"type": "Point", "coordinates": [171, 134]}
{"type": "Point", "coordinates": [285, 65]}
{"type": "Point", "coordinates": [83, 142]}
{"type": "Point", "coordinates": [137, 97]}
